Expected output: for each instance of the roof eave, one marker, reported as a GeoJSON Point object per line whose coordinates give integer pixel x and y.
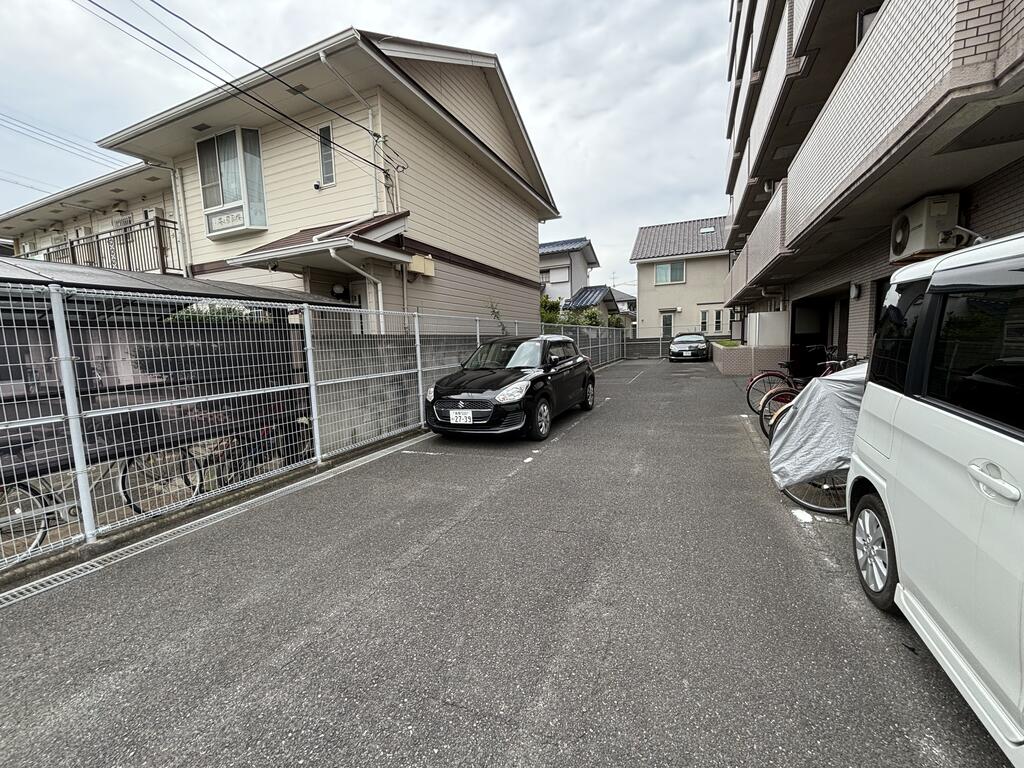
{"type": "Point", "coordinates": [251, 80]}
{"type": "Point", "coordinates": [668, 256]}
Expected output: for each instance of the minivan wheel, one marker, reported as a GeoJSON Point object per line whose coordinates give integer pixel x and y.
{"type": "Point", "coordinates": [874, 552]}
{"type": "Point", "coordinates": [588, 396]}
{"type": "Point", "coordinates": [538, 427]}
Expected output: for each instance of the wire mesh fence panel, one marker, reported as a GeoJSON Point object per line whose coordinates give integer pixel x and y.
{"type": "Point", "coordinates": [35, 454]}
{"type": "Point", "coordinates": [366, 376]}
{"type": "Point", "coordinates": [185, 397]}
{"type": "Point", "coordinates": [446, 341]}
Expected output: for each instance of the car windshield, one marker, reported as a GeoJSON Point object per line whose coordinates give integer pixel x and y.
{"type": "Point", "coordinates": [505, 354]}
{"type": "Point", "coordinates": [688, 338]}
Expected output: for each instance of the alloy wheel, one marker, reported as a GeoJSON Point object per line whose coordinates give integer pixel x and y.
{"type": "Point", "coordinates": [872, 550]}
{"type": "Point", "coordinates": [590, 393]}
{"type": "Point", "coordinates": [543, 417]}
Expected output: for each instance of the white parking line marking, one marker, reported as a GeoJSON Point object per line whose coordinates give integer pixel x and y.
{"type": "Point", "coordinates": [429, 453]}
{"type": "Point", "coordinates": [636, 377]}
{"type": "Point", "coordinates": [528, 460]}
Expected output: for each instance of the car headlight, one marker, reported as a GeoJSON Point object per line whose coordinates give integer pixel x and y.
{"type": "Point", "coordinates": [430, 393]}
{"type": "Point", "coordinates": [513, 393]}
{"type": "Point", "coordinates": [702, 346]}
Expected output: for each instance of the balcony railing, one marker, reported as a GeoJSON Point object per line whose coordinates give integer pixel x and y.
{"type": "Point", "coordinates": [766, 242]}
{"type": "Point", "coordinates": [772, 82]}
{"type": "Point", "coordinates": [907, 55]}
{"type": "Point", "coordinates": [148, 246]}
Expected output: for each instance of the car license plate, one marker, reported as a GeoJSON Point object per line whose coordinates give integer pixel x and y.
{"type": "Point", "coordinates": [460, 417]}
{"type": "Point", "coordinates": [687, 354]}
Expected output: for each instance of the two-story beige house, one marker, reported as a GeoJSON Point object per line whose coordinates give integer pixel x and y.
{"type": "Point", "coordinates": [680, 268]}
{"type": "Point", "coordinates": [391, 173]}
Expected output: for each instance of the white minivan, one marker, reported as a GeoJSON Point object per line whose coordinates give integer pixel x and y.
{"type": "Point", "coordinates": [934, 492]}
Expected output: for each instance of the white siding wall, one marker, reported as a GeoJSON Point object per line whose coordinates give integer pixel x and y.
{"type": "Point", "coordinates": [291, 163]}
{"type": "Point", "coordinates": [456, 204]}
{"type": "Point", "coordinates": [464, 91]}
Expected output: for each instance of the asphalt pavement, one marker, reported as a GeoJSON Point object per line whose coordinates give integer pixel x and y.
{"type": "Point", "coordinates": [631, 592]}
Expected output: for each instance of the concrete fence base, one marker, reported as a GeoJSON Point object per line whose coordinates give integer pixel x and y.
{"type": "Point", "coordinates": [746, 361]}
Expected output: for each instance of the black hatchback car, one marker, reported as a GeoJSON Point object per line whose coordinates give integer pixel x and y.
{"type": "Point", "coordinates": [511, 384]}
{"type": "Point", "coordinates": [689, 346]}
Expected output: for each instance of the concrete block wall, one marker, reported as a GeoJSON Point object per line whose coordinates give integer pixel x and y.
{"type": "Point", "coordinates": [746, 361]}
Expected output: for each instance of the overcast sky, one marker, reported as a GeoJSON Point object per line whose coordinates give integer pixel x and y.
{"type": "Point", "coordinates": [624, 101]}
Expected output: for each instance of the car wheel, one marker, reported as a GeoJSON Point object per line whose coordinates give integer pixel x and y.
{"type": "Point", "coordinates": [588, 396]}
{"type": "Point", "coordinates": [538, 427]}
{"type": "Point", "coordinates": [874, 553]}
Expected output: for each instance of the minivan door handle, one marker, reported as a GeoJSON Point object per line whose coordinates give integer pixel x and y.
{"type": "Point", "coordinates": [994, 484]}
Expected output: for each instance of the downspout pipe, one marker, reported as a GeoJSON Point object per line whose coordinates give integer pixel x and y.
{"type": "Point", "coordinates": [370, 278]}
{"type": "Point", "coordinates": [374, 135]}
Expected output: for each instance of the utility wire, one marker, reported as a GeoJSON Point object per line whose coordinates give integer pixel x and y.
{"type": "Point", "coordinates": [50, 135]}
{"type": "Point", "coordinates": [181, 37]}
{"type": "Point", "coordinates": [241, 92]}
{"type": "Point", "coordinates": [398, 161]}
{"type": "Point", "coordinates": [29, 178]}
{"type": "Point", "coordinates": [26, 186]}
{"type": "Point", "coordinates": [108, 164]}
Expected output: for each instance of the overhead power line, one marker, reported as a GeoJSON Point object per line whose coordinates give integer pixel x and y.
{"type": "Point", "coordinates": [181, 37]}
{"type": "Point", "coordinates": [64, 146]}
{"type": "Point", "coordinates": [16, 183]}
{"type": "Point", "coordinates": [376, 136]}
{"type": "Point", "coordinates": [241, 93]}
{"type": "Point", "coordinates": [29, 178]}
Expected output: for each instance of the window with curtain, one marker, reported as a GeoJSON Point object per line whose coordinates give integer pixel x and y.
{"type": "Point", "coordinates": [704, 320]}
{"type": "Point", "coordinates": [672, 272]}
{"type": "Point", "coordinates": [231, 177]}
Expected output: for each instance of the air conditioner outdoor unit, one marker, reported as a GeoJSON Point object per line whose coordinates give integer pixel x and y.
{"type": "Point", "coordinates": [925, 228]}
{"type": "Point", "coordinates": [82, 232]}
{"type": "Point", "coordinates": [153, 213]}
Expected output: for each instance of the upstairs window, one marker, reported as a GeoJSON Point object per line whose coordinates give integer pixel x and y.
{"type": "Point", "coordinates": [231, 177]}
{"type": "Point", "coordinates": [672, 272]}
{"type": "Point", "coordinates": [326, 156]}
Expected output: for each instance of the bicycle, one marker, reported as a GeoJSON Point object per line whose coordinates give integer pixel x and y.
{"type": "Point", "coordinates": [825, 494]}
{"type": "Point", "coordinates": [784, 394]}
{"type": "Point", "coordinates": [764, 382]}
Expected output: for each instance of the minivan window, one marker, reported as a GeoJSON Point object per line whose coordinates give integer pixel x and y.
{"type": "Point", "coordinates": [978, 361]}
{"type": "Point", "coordinates": [894, 335]}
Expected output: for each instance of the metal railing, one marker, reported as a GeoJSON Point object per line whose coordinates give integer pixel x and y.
{"type": "Point", "coordinates": [147, 246]}
{"type": "Point", "coordinates": [117, 407]}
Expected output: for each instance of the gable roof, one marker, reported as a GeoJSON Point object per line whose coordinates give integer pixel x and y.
{"type": "Point", "coordinates": [364, 227]}
{"type": "Point", "coordinates": [622, 295]}
{"type": "Point", "coordinates": [592, 296]}
{"type": "Point", "coordinates": [680, 238]}
{"type": "Point", "coordinates": [366, 59]}
{"type": "Point", "coordinates": [569, 246]}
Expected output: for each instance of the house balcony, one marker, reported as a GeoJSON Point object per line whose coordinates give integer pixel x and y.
{"type": "Point", "coordinates": [148, 246]}
{"type": "Point", "coordinates": [765, 246]}
{"type": "Point", "coordinates": [951, 116]}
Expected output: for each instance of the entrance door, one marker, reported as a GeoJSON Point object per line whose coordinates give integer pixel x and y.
{"type": "Point", "coordinates": [666, 325]}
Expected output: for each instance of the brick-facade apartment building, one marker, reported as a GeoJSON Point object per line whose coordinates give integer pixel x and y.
{"type": "Point", "coordinates": [863, 135]}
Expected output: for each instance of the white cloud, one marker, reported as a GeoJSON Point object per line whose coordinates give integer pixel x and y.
{"type": "Point", "coordinates": [624, 102]}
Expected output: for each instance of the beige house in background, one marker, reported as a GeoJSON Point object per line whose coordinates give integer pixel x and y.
{"type": "Point", "coordinates": [416, 187]}
{"type": "Point", "coordinates": [680, 268]}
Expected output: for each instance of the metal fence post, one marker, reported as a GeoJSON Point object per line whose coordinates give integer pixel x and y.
{"type": "Point", "coordinates": [419, 369]}
{"type": "Point", "coordinates": [307, 331]}
{"type": "Point", "coordinates": [516, 327]}
{"type": "Point", "coordinates": [478, 331]}
{"type": "Point", "coordinates": [66, 368]}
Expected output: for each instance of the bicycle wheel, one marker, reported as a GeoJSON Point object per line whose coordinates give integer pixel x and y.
{"type": "Point", "coordinates": [154, 481]}
{"type": "Point", "coordinates": [825, 494]}
{"type": "Point", "coordinates": [761, 385]}
{"type": "Point", "coordinates": [24, 521]}
{"type": "Point", "coordinates": [771, 403]}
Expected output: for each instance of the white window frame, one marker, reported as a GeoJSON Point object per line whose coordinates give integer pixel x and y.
{"type": "Point", "coordinates": [324, 184]}
{"type": "Point", "coordinates": [703, 321]}
{"type": "Point", "coordinates": [242, 205]}
{"type": "Point", "coordinates": [669, 265]}
{"type": "Point", "coordinates": [719, 314]}
{"type": "Point", "coordinates": [552, 278]}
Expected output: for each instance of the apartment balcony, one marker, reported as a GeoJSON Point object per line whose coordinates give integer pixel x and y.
{"type": "Point", "coordinates": [951, 115]}
{"type": "Point", "coordinates": [765, 246]}
{"type": "Point", "coordinates": [767, 15]}
{"type": "Point", "coordinates": [148, 246]}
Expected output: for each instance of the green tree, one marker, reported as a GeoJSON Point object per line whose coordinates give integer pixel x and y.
{"type": "Point", "coordinates": [550, 309]}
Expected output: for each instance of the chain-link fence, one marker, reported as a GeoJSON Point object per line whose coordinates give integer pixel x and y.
{"type": "Point", "coordinates": [121, 406]}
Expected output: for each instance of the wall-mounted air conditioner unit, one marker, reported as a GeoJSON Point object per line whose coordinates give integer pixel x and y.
{"type": "Point", "coordinates": [925, 228]}
{"type": "Point", "coordinates": [153, 213]}
{"type": "Point", "coordinates": [82, 232]}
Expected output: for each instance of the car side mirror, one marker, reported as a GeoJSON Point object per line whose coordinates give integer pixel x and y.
{"type": "Point", "coordinates": [554, 359]}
